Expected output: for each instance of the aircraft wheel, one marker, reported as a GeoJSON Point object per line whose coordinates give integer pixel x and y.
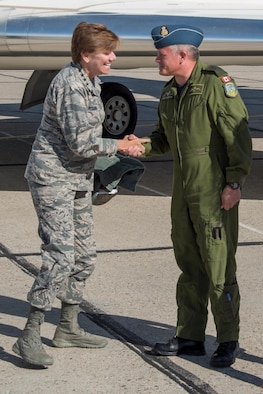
{"type": "Point", "coordinates": [120, 110]}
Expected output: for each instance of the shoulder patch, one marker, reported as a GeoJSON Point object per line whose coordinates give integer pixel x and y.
{"type": "Point", "coordinates": [230, 89]}
{"type": "Point", "coordinates": [225, 79]}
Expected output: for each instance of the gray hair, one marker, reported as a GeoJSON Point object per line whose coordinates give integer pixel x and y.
{"type": "Point", "coordinates": [192, 51]}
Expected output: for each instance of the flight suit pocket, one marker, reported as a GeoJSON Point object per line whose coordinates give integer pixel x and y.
{"type": "Point", "coordinates": [216, 232]}
{"type": "Point", "coordinates": [229, 303]}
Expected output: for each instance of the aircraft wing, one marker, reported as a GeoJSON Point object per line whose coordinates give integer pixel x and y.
{"type": "Point", "coordinates": [38, 36]}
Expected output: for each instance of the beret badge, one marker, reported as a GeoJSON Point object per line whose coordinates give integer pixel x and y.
{"type": "Point", "coordinates": [166, 35]}
{"type": "Point", "coordinates": [164, 31]}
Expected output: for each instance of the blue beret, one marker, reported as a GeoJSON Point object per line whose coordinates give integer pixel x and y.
{"type": "Point", "coordinates": [166, 35]}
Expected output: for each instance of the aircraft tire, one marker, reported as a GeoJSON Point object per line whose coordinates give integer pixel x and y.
{"type": "Point", "coordinates": [120, 110]}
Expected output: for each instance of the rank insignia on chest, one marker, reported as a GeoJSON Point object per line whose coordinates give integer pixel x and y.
{"type": "Point", "coordinates": [196, 89]}
{"type": "Point", "coordinates": [167, 95]}
{"type": "Point", "coordinates": [230, 89]}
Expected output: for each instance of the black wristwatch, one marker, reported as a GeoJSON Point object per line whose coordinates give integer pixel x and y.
{"type": "Point", "coordinates": [234, 185]}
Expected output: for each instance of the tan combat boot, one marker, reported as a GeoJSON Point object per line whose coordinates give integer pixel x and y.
{"type": "Point", "coordinates": [29, 345]}
{"type": "Point", "coordinates": [69, 334]}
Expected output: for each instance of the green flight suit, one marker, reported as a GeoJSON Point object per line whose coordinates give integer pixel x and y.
{"type": "Point", "coordinates": [206, 129]}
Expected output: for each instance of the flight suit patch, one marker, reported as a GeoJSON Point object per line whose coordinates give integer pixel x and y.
{"type": "Point", "coordinates": [196, 89]}
{"type": "Point", "coordinates": [167, 95]}
{"type": "Point", "coordinates": [230, 89]}
{"type": "Point", "coordinates": [226, 78]}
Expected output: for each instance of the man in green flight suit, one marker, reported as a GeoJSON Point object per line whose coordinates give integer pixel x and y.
{"type": "Point", "coordinates": [203, 121]}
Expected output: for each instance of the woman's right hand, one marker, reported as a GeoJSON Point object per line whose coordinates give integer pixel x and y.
{"type": "Point", "coordinates": [132, 146]}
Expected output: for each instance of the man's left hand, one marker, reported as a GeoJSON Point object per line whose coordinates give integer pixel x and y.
{"type": "Point", "coordinates": [230, 197]}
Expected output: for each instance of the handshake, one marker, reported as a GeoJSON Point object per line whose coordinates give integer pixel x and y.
{"type": "Point", "coordinates": [131, 145]}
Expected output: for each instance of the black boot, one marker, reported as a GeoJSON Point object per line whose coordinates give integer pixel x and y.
{"type": "Point", "coordinates": [178, 346]}
{"type": "Point", "coordinates": [225, 355]}
{"type": "Point", "coordinates": [29, 345]}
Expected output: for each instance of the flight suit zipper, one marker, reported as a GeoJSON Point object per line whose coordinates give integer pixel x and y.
{"type": "Point", "coordinates": [181, 96]}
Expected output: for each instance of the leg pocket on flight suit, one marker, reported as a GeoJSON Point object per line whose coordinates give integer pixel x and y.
{"type": "Point", "coordinates": [229, 302]}
{"type": "Point", "coordinates": [211, 239]}
{"type": "Point", "coordinates": [216, 232]}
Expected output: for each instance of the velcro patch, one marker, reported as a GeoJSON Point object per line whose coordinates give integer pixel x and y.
{"type": "Point", "coordinates": [167, 95]}
{"type": "Point", "coordinates": [230, 89]}
{"type": "Point", "coordinates": [226, 78]}
{"type": "Point", "coordinates": [196, 89]}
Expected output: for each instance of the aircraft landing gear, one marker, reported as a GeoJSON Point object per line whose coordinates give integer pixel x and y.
{"type": "Point", "coordinates": [120, 110]}
{"type": "Point", "coordinates": [119, 103]}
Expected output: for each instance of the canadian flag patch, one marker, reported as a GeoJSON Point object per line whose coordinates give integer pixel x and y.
{"type": "Point", "coordinates": [226, 79]}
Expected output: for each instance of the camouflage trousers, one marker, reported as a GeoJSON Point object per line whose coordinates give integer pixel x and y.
{"type": "Point", "coordinates": [68, 247]}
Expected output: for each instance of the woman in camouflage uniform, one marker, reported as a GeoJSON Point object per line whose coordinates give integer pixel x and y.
{"type": "Point", "coordinates": [60, 177]}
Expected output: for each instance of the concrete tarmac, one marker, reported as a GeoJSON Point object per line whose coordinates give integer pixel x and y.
{"type": "Point", "coordinates": [130, 298]}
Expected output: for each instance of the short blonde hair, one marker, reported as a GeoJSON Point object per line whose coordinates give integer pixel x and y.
{"type": "Point", "coordinates": [90, 37]}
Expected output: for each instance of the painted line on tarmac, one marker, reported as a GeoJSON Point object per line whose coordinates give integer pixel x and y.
{"type": "Point", "coordinates": [153, 191]}
{"type": "Point", "coordinates": [16, 137]}
{"type": "Point", "coordinates": [255, 230]}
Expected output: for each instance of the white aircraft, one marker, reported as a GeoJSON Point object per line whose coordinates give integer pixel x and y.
{"type": "Point", "coordinates": [36, 34]}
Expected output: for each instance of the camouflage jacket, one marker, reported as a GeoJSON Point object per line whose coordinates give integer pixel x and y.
{"type": "Point", "coordinates": [69, 138]}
